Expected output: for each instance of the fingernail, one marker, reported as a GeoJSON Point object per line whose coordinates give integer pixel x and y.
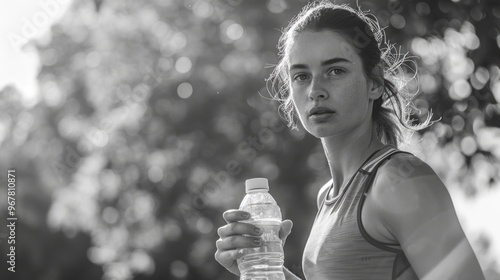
{"type": "Point", "coordinates": [257, 230]}
{"type": "Point", "coordinates": [257, 241]}
{"type": "Point", "coordinates": [245, 215]}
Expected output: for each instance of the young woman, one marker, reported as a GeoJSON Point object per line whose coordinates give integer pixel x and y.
{"type": "Point", "coordinates": [384, 214]}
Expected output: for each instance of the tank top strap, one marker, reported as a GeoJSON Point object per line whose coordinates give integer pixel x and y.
{"type": "Point", "coordinates": [382, 154]}
{"type": "Point", "coordinates": [325, 193]}
{"type": "Point", "coordinates": [371, 169]}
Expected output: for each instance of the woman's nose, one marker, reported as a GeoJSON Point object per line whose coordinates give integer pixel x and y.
{"type": "Point", "coordinates": [317, 90]}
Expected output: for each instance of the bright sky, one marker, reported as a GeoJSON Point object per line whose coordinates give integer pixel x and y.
{"type": "Point", "coordinates": [21, 21]}
{"type": "Point", "coordinates": [478, 216]}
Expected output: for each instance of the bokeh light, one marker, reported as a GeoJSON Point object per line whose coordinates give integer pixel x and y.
{"type": "Point", "coordinates": [93, 59]}
{"type": "Point", "coordinates": [203, 9]}
{"type": "Point", "coordinates": [276, 6]}
{"type": "Point", "coordinates": [398, 21]}
{"type": "Point", "coordinates": [185, 90]}
{"type": "Point", "coordinates": [179, 269]}
{"type": "Point", "coordinates": [183, 65]}
{"type": "Point", "coordinates": [234, 31]}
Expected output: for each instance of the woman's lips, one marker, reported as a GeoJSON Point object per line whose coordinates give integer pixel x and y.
{"type": "Point", "coordinates": [319, 112]}
{"type": "Point", "coordinates": [322, 116]}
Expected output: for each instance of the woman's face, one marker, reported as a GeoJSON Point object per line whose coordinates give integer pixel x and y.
{"type": "Point", "coordinates": [329, 89]}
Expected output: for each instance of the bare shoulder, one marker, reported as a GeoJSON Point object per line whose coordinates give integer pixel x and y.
{"type": "Point", "coordinates": [403, 168]}
{"type": "Point", "coordinates": [407, 173]}
{"type": "Point", "coordinates": [406, 188]}
{"type": "Point", "coordinates": [413, 206]}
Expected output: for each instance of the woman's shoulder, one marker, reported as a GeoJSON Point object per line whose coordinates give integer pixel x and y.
{"type": "Point", "coordinates": [405, 179]}
{"type": "Point", "coordinates": [405, 166]}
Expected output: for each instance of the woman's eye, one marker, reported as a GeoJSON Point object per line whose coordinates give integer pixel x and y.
{"type": "Point", "coordinates": [336, 71]}
{"type": "Point", "coordinates": [300, 77]}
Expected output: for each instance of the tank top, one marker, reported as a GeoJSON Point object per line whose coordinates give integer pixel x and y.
{"type": "Point", "coordinates": [338, 246]}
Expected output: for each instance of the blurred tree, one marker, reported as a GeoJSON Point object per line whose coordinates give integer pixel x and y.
{"type": "Point", "coordinates": [153, 113]}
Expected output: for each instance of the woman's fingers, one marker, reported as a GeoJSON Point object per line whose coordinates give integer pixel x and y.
{"type": "Point", "coordinates": [226, 258]}
{"type": "Point", "coordinates": [238, 229]}
{"type": "Point", "coordinates": [235, 215]}
{"type": "Point", "coordinates": [238, 242]}
{"type": "Point", "coordinates": [235, 236]}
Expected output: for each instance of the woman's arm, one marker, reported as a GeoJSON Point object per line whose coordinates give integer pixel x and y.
{"type": "Point", "coordinates": [416, 208]}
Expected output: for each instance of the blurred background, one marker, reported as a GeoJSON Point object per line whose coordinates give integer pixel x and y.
{"type": "Point", "coordinates": [133, 124]}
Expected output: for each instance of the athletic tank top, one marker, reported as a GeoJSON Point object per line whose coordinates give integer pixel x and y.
{"type": "Point", "coordinates": [339, 247]}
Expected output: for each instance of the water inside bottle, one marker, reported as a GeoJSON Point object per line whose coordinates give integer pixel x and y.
{"type": "Point", "coordinates": [261, 266]}
{"type": "Point", "coordinates": [266, 261]}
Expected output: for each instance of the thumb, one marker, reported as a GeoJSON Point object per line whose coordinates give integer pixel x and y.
{"type": "Point", "coordinates": [286, 229]}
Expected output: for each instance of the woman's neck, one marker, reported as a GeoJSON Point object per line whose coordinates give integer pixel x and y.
{"type": "Point", "coordinates": [346, 154]}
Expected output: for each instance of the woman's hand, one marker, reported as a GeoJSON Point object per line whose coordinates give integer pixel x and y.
{"type": "Point", "coordinates": [232, 238]}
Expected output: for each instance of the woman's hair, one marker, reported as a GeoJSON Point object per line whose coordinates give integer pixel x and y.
{"type": "Point", "coordinates": [381, 63]}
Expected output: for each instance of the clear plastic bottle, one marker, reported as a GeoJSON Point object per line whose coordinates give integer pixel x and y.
{"type": "Point", "coordinates": [264, 262]}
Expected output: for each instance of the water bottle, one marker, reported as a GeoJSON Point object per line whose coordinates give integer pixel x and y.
{"type": "Point", "coordinates": [264, 262]}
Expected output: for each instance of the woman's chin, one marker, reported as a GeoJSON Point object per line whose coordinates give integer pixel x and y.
{"type": "Point", "coordinates": [319, 132]}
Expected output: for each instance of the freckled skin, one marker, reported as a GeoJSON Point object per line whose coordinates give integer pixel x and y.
{"type": "Point", "coordinates": [348, 92]}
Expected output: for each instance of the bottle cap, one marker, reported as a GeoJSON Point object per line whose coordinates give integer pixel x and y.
{"type": "Point", "coordinates": [256, 183]}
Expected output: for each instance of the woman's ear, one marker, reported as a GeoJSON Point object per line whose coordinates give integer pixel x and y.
{"type": "Point", "coordinates": [376, 83]}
